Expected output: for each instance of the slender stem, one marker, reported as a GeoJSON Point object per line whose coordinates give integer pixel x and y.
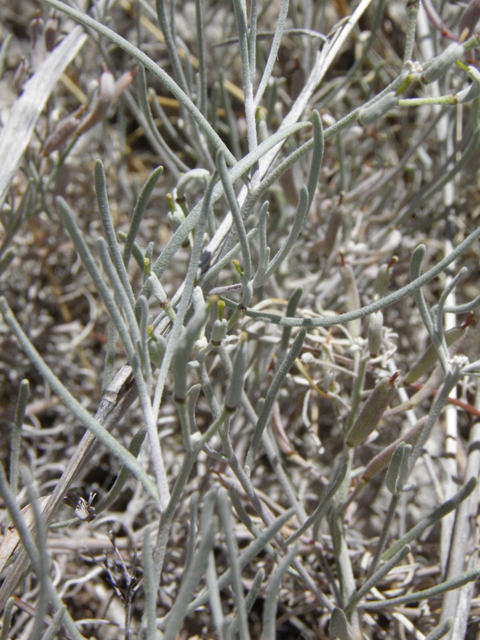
{"type": "Point", "coordinates": [418, 596]}
{"type": "Point", "coordinates": [343, 318]}
{"type": "Point", "coordinates": [73, 405]}
{"type": "Point", "coordinates": [202, 56]}
{"type": "Point", "coordinates": [171, 47]}
{"type": "Point", "coordinates": [272, 56]}
{"type": "Point", "coordinates": [269, 626]}
{"type": "Point", "coordinates": [148, 585]}
{"type": "Point", "coordinates": [150, 123]}
{"type": "Point", "coordinates": [451, 380]}
{"type": "Point", "coordinates": [267, 409]}
{"type": "Point", "coordinates": [253, 38]}
{"type": "Point", "coordinates": [29, 544]}
{"type": "Point", "coordinates": [185, 301]}
{"type": "Point", "coordinates": [234, 208]}
{"type": "Point", "coordinates": [232, 547]}
{"type": "Point", "coordinates": [139, 212]}
{"type": "Point", "coordinates": [246, 556]}
{"type": "Point", "coordinates": [419, 102]}
{"type": "Point", "coordinates": [435, 516]}
{"type": "Point", "coordinates": [106, 216]}
{"type": "Point", "coordinates": [241, 21]}
{"type": "Point", "coordinates": [83, 251]}
{"type": "Point", "coordinates": [236, 172]}
{"type": "Point", "coordinates": [382, 543]}
{"type": "Point", "coordinates": [23, 394]}
{"type": "Point", "coordinates": [377, 576]}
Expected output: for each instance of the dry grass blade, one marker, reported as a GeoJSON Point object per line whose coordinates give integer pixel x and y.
{"type": "Point", "coordinates": [12, 537]}
{"type": "Point", "coordinates": [25, 112]}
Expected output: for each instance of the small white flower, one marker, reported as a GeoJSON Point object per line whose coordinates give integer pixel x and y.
{"type": "Point", "coordinates": [307, 358]}
{"type": "Point", "coordinates": [460, 361]}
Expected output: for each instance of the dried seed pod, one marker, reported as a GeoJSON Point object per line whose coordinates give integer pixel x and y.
{"type": "Point", "coordinates": [51, 32]}
{"type": "Point", "coordinates": [37, 27]}
{"type": "Point", "coordinates": [352, 297]}
{"type": "Point", "coordinates": [375, 333]}
{"type": "Point", "coordinates": [64, 129]}
{"type": "Point", "coordinates": [439, 66]}
{"type": "Point", "coordinates": [428, 388]}
{"type": "Point", "coordinates": [371, 412]}
{"type": "Point", "coordinates": [381, 281]}
{"type": "Point", "coordinates": [334, 222]}
{"type": "Point", "coordinates": [373, 112]}
{"type": "Point", "coordinates": [382, 460]}
{"type": "Point", "coordinates": [394, 468]}
{"type": "Point", "coordinates": [102, 103]}
{"type": "Point", "coordinates": [383, 278]}
{"type": "Point", "coordinates": [19, 76]}
{"type": "Point", "coordinates": [397, 473]}
{"type": "Point", "coordinates": [121, 84]}
{"type": "Point", "coordinates": [37, 43]}
{"type": "Point", "coordinates": [430, 357]}
{"type": "Point", "coordinates": [469, 20]}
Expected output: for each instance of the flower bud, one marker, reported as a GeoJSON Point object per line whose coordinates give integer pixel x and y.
{"type": "Point", "coordinates": [382, 460]}
{"type": "Point", "coordinates": [101, 104]}
{"type": "Point", "coordinates": [371, 412]}
{"type": "Point", "coordinates": [219, 331]}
